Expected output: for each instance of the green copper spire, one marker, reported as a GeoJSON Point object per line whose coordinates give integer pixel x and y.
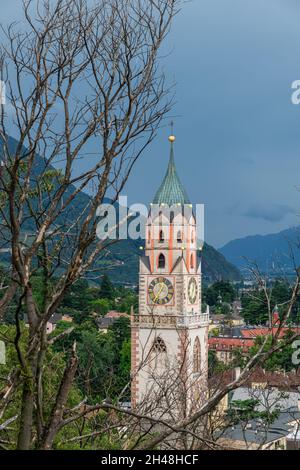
{"type": "Point", "coordinates": [171, 190]}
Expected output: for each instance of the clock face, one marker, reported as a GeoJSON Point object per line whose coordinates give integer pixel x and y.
{"type": "Point", "coordinates": [192, 290]}
{"type": "Point", "coordinates": [161, 291]}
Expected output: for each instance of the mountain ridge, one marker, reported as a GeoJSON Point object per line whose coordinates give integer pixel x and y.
{"type": "Point", "coordinates": [122, 260]}
{"type": "Point", "coordinates": [269, 251]}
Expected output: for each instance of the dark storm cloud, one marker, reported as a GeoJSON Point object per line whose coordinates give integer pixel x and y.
{"type": "Point", "coordinates": [273, 213]}
{"type": "Point", "coordinates": [238, 134]}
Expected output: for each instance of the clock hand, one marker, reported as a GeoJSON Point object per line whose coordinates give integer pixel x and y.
{"type": "Point", "coordinates": [158, 294]}
{"type": "Point", "coordinates": [193, 289]}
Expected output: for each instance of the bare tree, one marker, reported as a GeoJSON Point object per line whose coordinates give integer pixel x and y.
{"type": "Point", "coordinates": [86, 95]}
{"type": "Point", "coordinates": [175, 412]}
{"type": "Point", "coordinates": [81, 77]}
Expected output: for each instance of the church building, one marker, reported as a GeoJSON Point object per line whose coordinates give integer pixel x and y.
{"type": "Point", "coordinates": [169, 334]}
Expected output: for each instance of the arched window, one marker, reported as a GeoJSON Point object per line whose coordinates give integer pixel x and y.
{"type": "Point", "coordinates": [192, 261]}
{"type": "Point", "coordinates": [160, 217]}
{"type": "Point", "coordinates": [161, 261]}
{"type": "Point", "coordinates": [171, 216]}
{"type": "Point", "coordinates": [159, 346]}
{"type": "Point", "coordinates": [179, 236]}
{"type": "Point", "coordinates": [193, 237]}
{"type": "Point", "coordinates": [158, 358]}
{"type": "Point", "coordinates": [196, 356]}
{"type": "Point", "coordinates": [161, 236]}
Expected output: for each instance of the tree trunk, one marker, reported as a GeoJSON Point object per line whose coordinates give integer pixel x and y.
{"type": "Point", "coordinates": [55, 420]}
{"type": "Point", "coordinates": [26, 420]}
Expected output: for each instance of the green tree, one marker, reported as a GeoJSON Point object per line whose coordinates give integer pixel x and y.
{"type": "Point", "coordinates": [97, 357]}
{"type": "Point", "coordinates": [225, 309]}
{"type": "Point", "coordinates": [107, 290]}
{"type": "Point", "coordinates": [128, 301]}
{"type": "Point", "coordinates": [279, 360]}
{"type": "Point", "coordinates": [255, 308]}
{"type": "Point", "coordinates": [120, 330]}
{"type": "Point", "coordinates": [246, 410]}
{"type": "Point", "coordinates": [280, 293]}
{"type": "Point", "coordinates": [221, 288]}
{"type": "Point", "coordinates": [226, 290]}
{"type": "Point", "coordinates": [214, 365]}
{"type": "Point", "coordinates": [54, 366]}
{"type": "Point", "coordinates": [209, 296]}
{"type": "Point", "coordinates": [101, 306]}
{"type": "Point", "coordinates": [125, 365]}
{"type": "Point", "coordinates": [78, 296]}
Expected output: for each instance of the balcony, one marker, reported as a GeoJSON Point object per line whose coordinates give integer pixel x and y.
{"type": "Point", "coordinates": [202, 319]}
{"type": "Point", "coordinates": [170, 321]}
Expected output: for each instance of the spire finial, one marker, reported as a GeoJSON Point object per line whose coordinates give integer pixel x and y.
{"type": "Point", "coordinates": [172, 137]}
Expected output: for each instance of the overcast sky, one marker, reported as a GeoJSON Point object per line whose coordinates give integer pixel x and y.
{"type": "Point", "coordinates": [238, 133]}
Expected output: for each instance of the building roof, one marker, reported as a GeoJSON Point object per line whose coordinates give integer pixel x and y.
{"type": "Point", "coordinates": [268, 399]}
{"type": "Point", "coordinates": [284, 381]}
{"type": "Point", "coordinates": [248, 332]}
{"type": "Point", "coordinates": [232, 331]}
{"type": "Point", "coordinates": [54, 319]}
{"type": "Point", "coordinates": [103, 323]}
{"type": "Point", "coordinates": [145, 260]}
{"type": "Point", "coordinates": [115, 314]}
{"type": "Point", "coordinates": [254, 332]}
{"type": "Point", "coordinates": [263, 434]}
{"type": "Point", "coordinates": [171, 190]}
{"type": "Point", "coordinates": [226, 344]}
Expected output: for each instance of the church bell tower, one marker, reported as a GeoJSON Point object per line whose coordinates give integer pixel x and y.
{"type": "Point", "coordinates": [169, 335]}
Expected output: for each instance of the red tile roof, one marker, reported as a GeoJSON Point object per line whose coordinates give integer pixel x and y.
{"type": "Point", "coordinates": [247, 338]}
{"type": "Point", "coordinates": [226, 344]}
{"type": "Point", "coordinates": [115, 314]}
{"type": "Point", "coordinates": [254, 332]}
{"type": "Point", "coordinates": [281, 380]}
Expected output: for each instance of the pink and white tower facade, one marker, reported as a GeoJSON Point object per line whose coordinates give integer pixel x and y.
{"type": "Point", "coordinates": [169, 335]}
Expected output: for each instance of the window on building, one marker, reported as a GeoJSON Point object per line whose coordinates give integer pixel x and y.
{"type": "Point", "coordinates": [160, 217]}
{"type": "Point", "coordinates": [192, 261]}
{"type": "Point", "coordinates": [161, 236]}
{"type": "Point", "coordinates": [196, 356]}
{"type": "Point", "coordinates": [158, 357]}
{"type": "Point", "coordinates": [159, 346]}
{"type": "Point", "coordinates": [161, 261]}
{"type": "Point", "coordinates": [179, 236]}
